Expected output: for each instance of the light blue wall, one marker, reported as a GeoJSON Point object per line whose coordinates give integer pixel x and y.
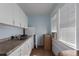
{"type": "Point", "coordinates": [7, 31]}
{"type": "Point", "coordinates": [42, 26]}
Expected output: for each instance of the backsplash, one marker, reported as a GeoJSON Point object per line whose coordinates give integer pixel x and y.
{"type": "Point", "coordinates": [7, 31]}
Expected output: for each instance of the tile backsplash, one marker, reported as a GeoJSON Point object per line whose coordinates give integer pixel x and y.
{"type": "Point", "coordinates": [7, 31]}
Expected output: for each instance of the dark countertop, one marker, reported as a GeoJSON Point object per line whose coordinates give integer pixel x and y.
{"type": "Point", "coordinates": [9, 46]}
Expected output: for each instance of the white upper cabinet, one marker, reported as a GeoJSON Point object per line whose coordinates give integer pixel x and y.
{"type": "Point", "coordinates": [25, 21]}
{"type": "Point", "coordinates": [6, 13]}
{"type": "Point", "coordinates": [19, 17]}
{"type": "Point", "coordinates": [54, 23]}
{"type": "Point", "coordinates": [11, 13]}
{"type": "Point", "coordinates": [16, 15]}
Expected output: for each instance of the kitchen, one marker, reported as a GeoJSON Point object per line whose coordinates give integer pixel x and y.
{"type": "Point", "coordinates": [13, 24]}
{"type": "Point", "coordinates": [26, 29]}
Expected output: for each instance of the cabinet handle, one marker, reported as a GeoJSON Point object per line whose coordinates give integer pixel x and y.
{"type": "Point", "coordinates": [13, 22]}
{"type": "Point", "coordinates": [20, 25]}
{"type": "Point", "coordinates": [28, 46]}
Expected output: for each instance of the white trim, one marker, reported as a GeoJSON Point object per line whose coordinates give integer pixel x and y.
{"type": "Point", "coordinates": [75, 24]}
{"type": "Point", "coordinates": [68, 44]}
{"type": "Point", "coordinates": [59, 23]}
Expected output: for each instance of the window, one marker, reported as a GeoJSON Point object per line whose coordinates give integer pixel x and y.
{"type": "Point", "coordinates": [67, 29]}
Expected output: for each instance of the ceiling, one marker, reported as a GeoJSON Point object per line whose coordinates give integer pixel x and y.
{"type": "Point", "coordinates": [37, 8]}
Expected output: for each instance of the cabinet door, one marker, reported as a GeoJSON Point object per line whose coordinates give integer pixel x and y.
{"type": "Point", "coordinates": [25, 21]}
{"type": "Point", "coordinates": [12, 14]}
{"type": "Point", "coordinates": [9, 14]}
{"type": "Point", "coordinates": [16, 15]}
{"type": "Point", "coordinates": [6, 13]}
{"type": "Point", "coordinates": [22, 22]}
{"type": "Point", "coordinates": [32, 42]}
{"type": "Point", "coordinates": [24, 49]}
{"type": "Point", "coordinates": [16, 52]}
{"type": "Point", "coordinates": [19, 17]}
{"type": "Point", "coordinates": [29, 48]}
{"type": "Point", "coordinates": [54, 23]}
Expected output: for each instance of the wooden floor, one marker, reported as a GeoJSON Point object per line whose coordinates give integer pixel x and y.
{"type": "Point", "coordinates": [41, 52]}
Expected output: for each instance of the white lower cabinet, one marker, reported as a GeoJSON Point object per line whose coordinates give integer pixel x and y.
{"type": "Point", "coordinates": [30, 46]}
{"type": "Point", "coordinates": [16, 52]}
{"type": "Point", "coordinates": [25, 49]}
